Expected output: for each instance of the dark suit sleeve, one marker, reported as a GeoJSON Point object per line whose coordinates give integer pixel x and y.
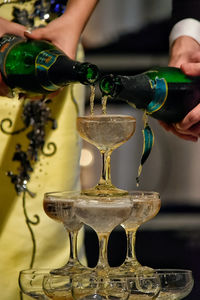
{"type": "Point", "coordinates": [182, 9]}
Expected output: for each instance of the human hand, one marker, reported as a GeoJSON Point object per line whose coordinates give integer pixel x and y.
{"type": "Point", "coordinates": [65, 31]}
{"type": "Point", "coordinates": [185, 54]}
{"type": "Point", "coordinates": [7, 27]}
{"type": "Point", "coordinates": [54, 32]}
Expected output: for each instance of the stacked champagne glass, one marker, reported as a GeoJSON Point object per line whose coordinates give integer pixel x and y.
{"type": "Point", "coordinates": [104, 207]}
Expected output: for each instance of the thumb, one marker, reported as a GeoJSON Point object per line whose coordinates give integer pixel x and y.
{"type": "Point", "coordinates": [191, 69]}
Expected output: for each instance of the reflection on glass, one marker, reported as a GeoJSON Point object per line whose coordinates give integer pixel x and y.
{"type": "Point", "coordinates": [143, 286]}
{"type": "Point", "coordinates": [30, 283]}
{"type": "Point", "coordinates": [175, 284]}
{"type": "Point", "coordinates": [93, 287]}
{"type": "Point", "coordinates": [135, 287]}
{"type": "Point", "coordinates": [58, 287]}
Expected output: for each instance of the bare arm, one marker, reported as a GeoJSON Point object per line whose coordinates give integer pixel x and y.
{"type": "Point", "coordinates": [65, 31]}
{"type": "Point", "coordinates": [11, 28]}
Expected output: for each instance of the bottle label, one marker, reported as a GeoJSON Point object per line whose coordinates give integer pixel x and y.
{"type": "Point", "coordinates": [6, 44]}
{"type": "Point", "coordinates": [160, 87]}
{"type": "Point", "coordinates": [44, 61]}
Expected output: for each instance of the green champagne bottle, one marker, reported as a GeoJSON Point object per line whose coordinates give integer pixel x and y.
{"type": "Point", "coordinates": [165, 93]}
{"type": "Point", "coordinates": [38, 67]}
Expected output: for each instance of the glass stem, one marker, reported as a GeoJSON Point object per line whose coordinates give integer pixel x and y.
{"type": "Point", "coordinates": [131, 238]}
{"type": "Point", "coordinates": [73, 256]}
{"type": "Point", "coordinates": [106, 170]}
{"type": "Point", "coordinates": [103, 244]}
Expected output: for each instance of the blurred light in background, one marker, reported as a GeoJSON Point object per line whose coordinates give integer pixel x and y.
{"type": "Point", "coordinates": [87, 158]}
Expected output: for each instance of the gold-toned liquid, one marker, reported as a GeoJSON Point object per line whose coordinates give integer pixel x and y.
{"type": "Point", "coordinates": [104, 104]}
{"type": "Point", "coordinates": [106, 131]}
{"type": "Point", "coordinates": [92, 97]}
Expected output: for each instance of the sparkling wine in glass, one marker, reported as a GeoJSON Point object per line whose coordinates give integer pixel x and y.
{"type": "Point", "coordinates": [60, 207]}
{"type": "Point", "coordinates": [145, 205]}
{"type": "Point", "coordinates": [103, 214]}
{"type": "Point", "coordinates": [106, 132]}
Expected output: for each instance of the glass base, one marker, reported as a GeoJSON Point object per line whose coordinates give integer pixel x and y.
{"type": "Point", "coordinates": [104, 190]}
{"type": "Point", "coordinates": [70, 269]}
{"type": "Point", "coordinates": [136, 268]}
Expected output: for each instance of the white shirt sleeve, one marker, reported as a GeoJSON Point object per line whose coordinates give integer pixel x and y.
{"type": "Point", "coordinates": [189, 27]}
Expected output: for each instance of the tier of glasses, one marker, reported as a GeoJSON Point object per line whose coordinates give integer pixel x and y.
{"type": "Point", "coordinates": [102, 214]}
{"type": "Point", "coordinates": [161, 284]}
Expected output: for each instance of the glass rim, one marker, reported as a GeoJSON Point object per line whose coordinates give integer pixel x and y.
{"type": "Point", "coordinates": [117, 277]}
{"type": "Point", "coordinates": [35, 271]}
{"type": "Point", "coordinates": [106, 116]}
{"type": "Point", "coordinates": [61, 194]}
{"type": "Point", "coordinates": [132, 197]}
{"type": "Point", "coordinates": [172, 271]}
{"type": "Point", "coordinates": [131, 193]}
{"type": "Point", "coordinates": [141, 194]}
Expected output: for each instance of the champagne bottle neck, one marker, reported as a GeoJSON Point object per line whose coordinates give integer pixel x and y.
{"type": "Point", "coordinates": [56, 70]}
{"type": "Point", "coordinates": [136, 89]}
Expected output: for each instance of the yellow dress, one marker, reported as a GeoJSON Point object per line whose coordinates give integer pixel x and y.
{"type": "Point", "coordinates": [59, 171]}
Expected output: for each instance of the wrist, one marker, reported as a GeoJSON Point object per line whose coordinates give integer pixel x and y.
{"type": "Point", "coordinates": [184, 44]}
{"type": "Point", "coordinates": [187, 27]}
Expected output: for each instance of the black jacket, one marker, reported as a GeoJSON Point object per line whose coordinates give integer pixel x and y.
{"type": "Point", "coordinates": [182, 9]}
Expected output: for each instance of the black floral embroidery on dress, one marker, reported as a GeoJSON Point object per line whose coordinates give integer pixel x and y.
{"type": "Point", "coordinates": [36, 115]}
{"type": "Point", "coordinates": [42, 9]}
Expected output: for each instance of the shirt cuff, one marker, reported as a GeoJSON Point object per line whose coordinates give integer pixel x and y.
{"type": "Point", "coordinates": [189, 27]}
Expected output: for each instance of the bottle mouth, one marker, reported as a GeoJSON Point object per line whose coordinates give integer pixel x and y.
{"type": "Point", "coordinates": [89, 73]}
{"type": "Point", "coordinates": [110, 85]}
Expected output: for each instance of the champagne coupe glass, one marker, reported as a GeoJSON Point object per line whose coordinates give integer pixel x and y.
{"type": "Point", "coordinates": [106, 132]}
{"type": "Point", "coordinates": [58, 287]}
{"type": "Point", "coordinates": [175, 284]}
{"type": "Point", "coordinates": [145, 205]}
{"type": "Point", "coordinates": [60, 207]}
{"type": "Point", "coordinates": [30, 282]}
{"type": "Point", "coordinates": [143, 286]}
{"type": "Point", "coordinates": [103, 214]}
{"type": "Point", "coordinates": [91, 287]}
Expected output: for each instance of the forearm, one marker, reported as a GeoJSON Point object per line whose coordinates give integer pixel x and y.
{"type": "Point", "coordinates": [77, 14]}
